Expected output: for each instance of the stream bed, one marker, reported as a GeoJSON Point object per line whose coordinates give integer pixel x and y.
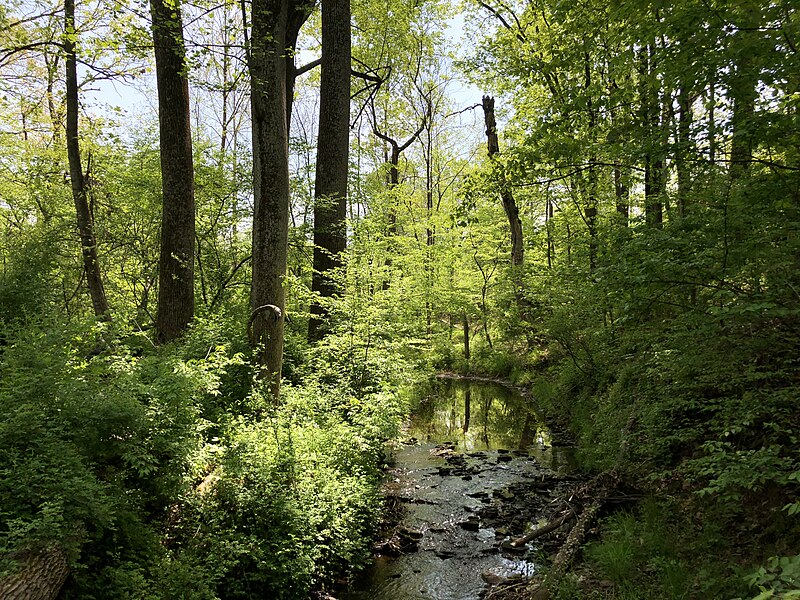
{"type": "Point", "coordinates": [478, 468]}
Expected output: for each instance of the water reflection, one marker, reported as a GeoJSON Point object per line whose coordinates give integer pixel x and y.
{"type": "Point", "coordinates": [483, 416]}
{"type": "Point", "coordinates": [451, 558]}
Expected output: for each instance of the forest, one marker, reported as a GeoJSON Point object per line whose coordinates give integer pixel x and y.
{"type": "Point", "coordinates": [239, 237]}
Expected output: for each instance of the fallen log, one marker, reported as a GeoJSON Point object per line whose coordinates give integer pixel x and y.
{"type": "Point", "coordinates": [596, 492]}
{"type": "Point", "coordinates": [543, 530]}
{"type": "Point", "coordinates": [40, 576]}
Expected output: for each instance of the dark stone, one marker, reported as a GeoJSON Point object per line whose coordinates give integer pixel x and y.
{"type": "Point", "coordinates": [411, 534]}
{"type": "Point", "coordinates": [508, 547]}
{"type": "Point", "coordinates": [505, 494]}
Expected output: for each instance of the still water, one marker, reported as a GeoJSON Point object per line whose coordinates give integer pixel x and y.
{"type": "Point", "coordinates": [468, 442]}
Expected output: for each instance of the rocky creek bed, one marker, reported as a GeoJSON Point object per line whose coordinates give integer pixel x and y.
{"type": "Point", "coordinates": [477, 471]}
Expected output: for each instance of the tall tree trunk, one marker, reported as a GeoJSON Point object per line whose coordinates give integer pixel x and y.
{"type": "Point", "coordinates": [622, 195]}
{"type": "Point", "coordinates": [91, 265]}
{"type": "Point", "coordinates": [267, 64]}
{"type": "Point", "coordinates": [176, 262]}
{"type": "Point", "coordinates": [393, 178]}
{"type": "Point", "coordinates": [591, 200]}
{"type": "Point", "coordinates": [711, 123]}
{"type": "Point", "coordinates": [465, 328]}
{"type": "Point", "coordinates": [333, 143]}
{"type": "Point", "coordinates": [684, 149]}
{"type": "Point", "coordinates": [650, 115]}
{"type": "Point", "coordinates": [429, 227]}
{"type": "Point", "coordinates": [743, 91]}
{"type": "Point", "coordinates": [506, 195]}
{"type": "Point", "coordinates": [548, 221]}
{"type": "Point", "coordinates": [299, 11]}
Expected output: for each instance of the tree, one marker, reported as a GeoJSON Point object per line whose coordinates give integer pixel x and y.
{"type": "Point", "coordinates": [506, 194]}
{"type": "Point", "coordinates": [176, 263]}
{"type": "Point", "coordinates": [267, 64]}
{"type": "Point", "coordinates": [91, 264]}
{"type": "Point", "coordinates": [333, 143]}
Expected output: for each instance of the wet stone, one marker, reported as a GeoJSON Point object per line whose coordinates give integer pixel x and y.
{"type": "Point", "coordinates": [478, 494]}
{"type": "Point", "coordinates": [476, 505]}
{"type": "Point", "coordinates": [505, 494]}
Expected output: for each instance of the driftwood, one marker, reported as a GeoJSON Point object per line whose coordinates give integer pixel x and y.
{"type": "Point", "coordinates": [40, 576]}
{"type": "Point", "coordinates": [592, 496]}
{"type": "Point", "coordinates": [567, 553]}
{"type": "Point", "coordinates": [543, 530]}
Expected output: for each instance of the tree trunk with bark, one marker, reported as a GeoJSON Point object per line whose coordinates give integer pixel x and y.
{"type": "Point", "coordinates": [299, 11]}
{"type": "Point", "coordinates": [91, 264]}
{"type": "Point", "coordinates": [333, 144]}
{"type": "Point", "coordinates": [393, 178]}
{"type": "Point", "coordinates": [743, 91]}
{"type": "Point", "coordinates": [591, 199]}
{"type": "Point", "coordinates": [506, 195]}
{"type": "Point", "coordinates": [622, 195]}
{"type": "Point", "coordinates": [40, 576]}
{"type": "Point", "coordinates": [651, 117]}
{"type": "Point", "coordinates": [684, 149]}
{"type": "Point", "coordinates": [267, 64]}
{"type": "Point", "coordinates": [176, 261]}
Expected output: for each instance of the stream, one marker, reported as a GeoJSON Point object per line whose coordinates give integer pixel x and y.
{"type": "Point", "coordinates": [479, 468]}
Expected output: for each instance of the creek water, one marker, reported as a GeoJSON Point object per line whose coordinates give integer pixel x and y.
{"type": "Point", "coordinates": [475, 451]}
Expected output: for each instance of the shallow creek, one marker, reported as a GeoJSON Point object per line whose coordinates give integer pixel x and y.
{"type": "Point", "coordinates": [479, 467]}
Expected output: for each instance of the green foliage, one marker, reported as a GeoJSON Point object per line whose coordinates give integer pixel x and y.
{"type": "Point", "coordinates": [780, 578]}
{"type": "Point", "coordinates": [650, 554]}
{"type": "Point", "coordinates": [111, 453]}
{"type": "Point", "coordinates": [286, 501]}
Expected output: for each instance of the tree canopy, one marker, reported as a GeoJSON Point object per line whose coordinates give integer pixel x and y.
{"type": "Point", "coordinates": [214, 300]}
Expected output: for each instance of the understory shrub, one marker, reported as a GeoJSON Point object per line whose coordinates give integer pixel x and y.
{"type": "Point", "coordinates": [163, 472]}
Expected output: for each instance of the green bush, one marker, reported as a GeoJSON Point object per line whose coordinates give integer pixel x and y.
{"type": "Point", "coordinates": [290, 500]}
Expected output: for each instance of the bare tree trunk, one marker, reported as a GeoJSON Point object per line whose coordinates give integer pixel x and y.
{"type": "Point", "coordinates": [465, 324]}
{"type": "Point", "coordinates": [548, 220]}
{"type": "Point", "coordinates": [684, 149]}
{"type": "Point", "coordinates": [176, 262]}
{"type": "Point", "coordinates": [591, 200]}
{"type": "Point", "coordinates": [622, 195]}
{"type": "Point", "coordinates": [299, 11]}
{"type": "Point", "coordinates": [91, 265]}
{"type": "Point", "coordinates": [743, 92]}
{"type": "Point", "coordinates": [267, 64]}
{"type": "Point", "coordinates": [650, 114]}
{"type": "Point", "coordinates": [333, 143]}
{"type": "Point", "coordinates": [506, 195]}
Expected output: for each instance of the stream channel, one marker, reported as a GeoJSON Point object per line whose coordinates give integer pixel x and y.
{"type": "Point", "coordinates": [477, 469]}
